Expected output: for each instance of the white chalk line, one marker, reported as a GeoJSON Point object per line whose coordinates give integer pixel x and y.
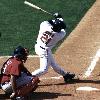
{"type": "Point", "coordinates": [30, 56]}
{"type": "Point", "coordinates": [47, 78]}
{"type": "Point", "coordinates": [92, 65]}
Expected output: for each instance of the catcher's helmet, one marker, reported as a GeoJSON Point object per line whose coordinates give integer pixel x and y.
{"type": "Point", "coordinates": [57, 25]}
{"type": "Point", "coordinates": [21, 53]}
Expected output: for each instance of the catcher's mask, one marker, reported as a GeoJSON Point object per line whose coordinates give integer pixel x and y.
{"type": "Point", "coordinates": [57, 25]}
{"type": "Point", "coordinates": [21, 53]}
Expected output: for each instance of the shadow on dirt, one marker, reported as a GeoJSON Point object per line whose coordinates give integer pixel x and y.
{"type": "Point", "coordinates": [45, 95]}
{"type": "Point", "coordinates": [37, 96]}
{"type": "Point", "coordinates": [4, 96]}
{"type": "Point", "coordinates": [74, 81]}
{"type": "Point", "coordinates": [85, 81]}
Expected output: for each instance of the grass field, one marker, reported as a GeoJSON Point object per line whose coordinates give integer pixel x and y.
{"type": "Point", "coordinates": [19, 24]}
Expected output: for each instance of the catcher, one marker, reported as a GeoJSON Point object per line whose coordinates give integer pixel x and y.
{"type": "Point", "coordinates": [16, 80]}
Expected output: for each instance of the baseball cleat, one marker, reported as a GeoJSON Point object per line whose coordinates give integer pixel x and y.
{"type": "Point", "coordinates": [68, 77]}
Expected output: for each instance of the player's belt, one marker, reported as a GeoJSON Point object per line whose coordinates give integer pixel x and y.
{"type": "Point", "coordinates": [42, 47]}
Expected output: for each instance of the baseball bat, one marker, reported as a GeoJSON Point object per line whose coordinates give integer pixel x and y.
{"type": "Point", "coordinates": [36, 7]}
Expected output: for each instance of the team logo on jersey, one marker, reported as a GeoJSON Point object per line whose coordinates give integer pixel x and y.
{"type": "Point", "coordinates": [47, 37]}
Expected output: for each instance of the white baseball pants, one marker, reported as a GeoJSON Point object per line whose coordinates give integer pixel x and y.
{"type": "Point", "coordinates": [46, 60]}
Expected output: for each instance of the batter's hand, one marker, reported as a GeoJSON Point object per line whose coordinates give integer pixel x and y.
{"type": "Point", "coordinates": [57, 15]}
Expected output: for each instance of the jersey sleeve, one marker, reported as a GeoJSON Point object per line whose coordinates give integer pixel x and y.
{"type": "Point", "coordinates": [45, 26]}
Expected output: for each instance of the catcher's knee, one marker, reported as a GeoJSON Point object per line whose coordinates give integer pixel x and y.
{"type": "Point", "coordinates": [29, 87]}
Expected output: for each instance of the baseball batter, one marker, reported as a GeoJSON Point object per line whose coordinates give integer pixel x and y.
{"type": "Point", "coordinates": [50, 33]}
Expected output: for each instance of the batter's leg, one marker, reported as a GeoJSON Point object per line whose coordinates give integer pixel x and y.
{"type": "Point", "coordinates": [66, 75]}
{"type": "Point", "coordinates": [55, 66]}
{"type": "Point", "coordinates": [43, 66]}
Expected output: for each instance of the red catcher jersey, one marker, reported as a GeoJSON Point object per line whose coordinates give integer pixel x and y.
{"type": "Point", "coordinates": [12, 66]}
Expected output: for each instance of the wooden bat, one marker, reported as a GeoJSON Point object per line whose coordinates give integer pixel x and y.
{"type": "Point", "coordinates": [36, 7]}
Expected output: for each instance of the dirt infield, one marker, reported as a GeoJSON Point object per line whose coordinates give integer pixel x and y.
{"type": "Point", "coordinates": [75, 54]}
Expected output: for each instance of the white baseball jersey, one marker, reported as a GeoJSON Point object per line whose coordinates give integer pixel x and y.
{"type": "Point", "coordinates": [47, 37]}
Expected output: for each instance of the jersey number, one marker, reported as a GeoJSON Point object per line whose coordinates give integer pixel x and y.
{"type": "Point", "coordinates": [5, 66]}
{"type": "Point", "coordinates": [46, 37]}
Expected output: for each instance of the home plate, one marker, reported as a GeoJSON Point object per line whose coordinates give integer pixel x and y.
{"type": "Point", "coordinates": [86, 88]}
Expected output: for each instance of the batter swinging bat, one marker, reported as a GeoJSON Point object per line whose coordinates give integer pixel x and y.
{"type": "Point", "coordinates": [36, 7]}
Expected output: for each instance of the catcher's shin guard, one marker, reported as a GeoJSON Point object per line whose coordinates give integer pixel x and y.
{"type": "Point", "coordinates": [29, 87]}
{"type": "Point", "coordinates": [68, 77]}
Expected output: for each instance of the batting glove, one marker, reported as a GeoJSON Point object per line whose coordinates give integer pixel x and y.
{"type": "Point", "coordinates": [57, 15]}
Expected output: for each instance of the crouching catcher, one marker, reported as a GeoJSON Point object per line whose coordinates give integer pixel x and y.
{"type": "Point", "coordinates": [15, 79]}
{"type": "Point", "coordinates": [24, 90]}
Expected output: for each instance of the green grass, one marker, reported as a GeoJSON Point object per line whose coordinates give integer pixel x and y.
{"type": "Point", "coordinates": [19, 23]}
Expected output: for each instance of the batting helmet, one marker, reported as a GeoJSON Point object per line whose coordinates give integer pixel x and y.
{"type": "Point", "coordinates": [57, 25]}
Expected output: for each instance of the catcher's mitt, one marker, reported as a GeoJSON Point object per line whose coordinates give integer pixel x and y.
{"type": "Point", "coordinates": [31, 86]}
